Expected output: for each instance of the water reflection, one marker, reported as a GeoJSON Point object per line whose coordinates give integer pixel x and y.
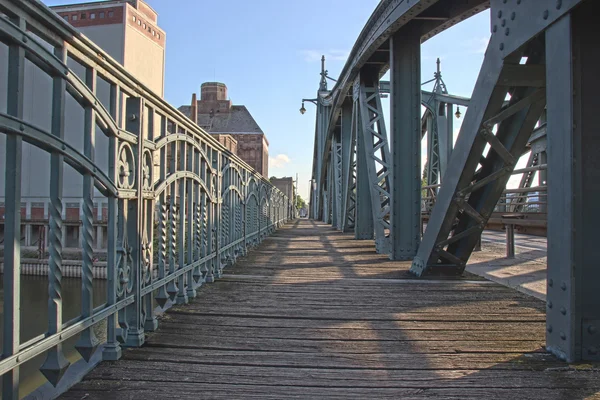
{"type": "Point", "coordinates": [34, 320]}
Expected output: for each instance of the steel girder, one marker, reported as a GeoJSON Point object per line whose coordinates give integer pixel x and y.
{"type": "Point", "coordinates": [337, 183]}
{"type": "Point", "coordinates": [405, 210]}
{"type": "Point", "coordinates": [348, 136]}
{"type": "Point", "coordinates": [492, 137]}
{"type": "Point", "coordinates": [373, 137]}
{"type": "Point", "coordinates": [573, 304]}
{"type": "Point", "coordinates": [363, 221]}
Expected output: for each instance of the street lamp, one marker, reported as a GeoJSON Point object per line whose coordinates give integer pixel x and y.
{"type": "Point", "coordinates": [302, 109]}
{"type": "Point", "coordinates": [457, 113]}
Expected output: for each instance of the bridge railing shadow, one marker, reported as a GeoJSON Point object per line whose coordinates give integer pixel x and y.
{"type": "Point", "coordinates": [459, 337]}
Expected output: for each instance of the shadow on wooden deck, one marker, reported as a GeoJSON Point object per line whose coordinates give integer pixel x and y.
{"type": "Point", "coordinates": [312, 313]}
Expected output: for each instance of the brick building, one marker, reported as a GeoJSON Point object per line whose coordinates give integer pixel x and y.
{"type": "Point", "coordinates": [232, 125]}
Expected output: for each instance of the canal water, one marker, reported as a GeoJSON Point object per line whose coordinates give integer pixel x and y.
{"type": "Point", "coordinates": [34, 320]}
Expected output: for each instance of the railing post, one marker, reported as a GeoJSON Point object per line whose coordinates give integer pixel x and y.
{"type": "Point", "coordinates": [183, 221]}
{"type": "Point", "coordinates": [56, 363]}
{"type": "Point", "coordinates": [134, 124]}
{"type": "Point", "coordinates": [88, 341]}
{"type": "Point", "coordinates": [112, 349]}
{"type": "Point", "coordinates": [12, 223]}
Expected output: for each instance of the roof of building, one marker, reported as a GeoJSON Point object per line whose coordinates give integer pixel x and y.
{"type": "Point", "coordinates": [237, 121]}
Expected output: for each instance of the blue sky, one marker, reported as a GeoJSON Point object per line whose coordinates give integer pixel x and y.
{"type": "Point", "coordinates": [268, 53]}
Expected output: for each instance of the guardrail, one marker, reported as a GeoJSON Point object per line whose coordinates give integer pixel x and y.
{"type": "Point", "coordinates": [181, 207]}
{"type": "Point", "coordinates": [524, 208]}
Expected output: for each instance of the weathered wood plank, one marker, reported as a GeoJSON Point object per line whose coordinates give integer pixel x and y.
{"type": "Point", "coordinates": [314, 314]}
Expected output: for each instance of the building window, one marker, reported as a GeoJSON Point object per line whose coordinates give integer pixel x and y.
{"type": "Point", "coordinates": [139, 22]}
{"type": "Point", "coordinates": [92, 15]}
{"type": "Point", "coordinates": [83, 16]}
{"type": "Point", "coordinates": [74, 17]}
{"type": "Point", "coordinates": [66, 17]}
{"type": "Point", "coordinates": [111, 14]}
{"type": "Point", "coordinates": [101, 15]}
{"type": "Point", "coordinates": [158, 35]}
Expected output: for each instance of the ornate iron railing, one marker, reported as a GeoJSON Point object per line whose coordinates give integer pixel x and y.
{"type": "Point", "coordinates": [181, 207]}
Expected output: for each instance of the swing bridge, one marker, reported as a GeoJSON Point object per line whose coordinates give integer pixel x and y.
{"type": "Point", "coordinates": [214, 288]}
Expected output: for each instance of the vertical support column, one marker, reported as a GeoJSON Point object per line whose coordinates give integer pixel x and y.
{"type": "Point", "coordinates": [56, 363]}
{"type": "Point", "coordinates": [12, 223]}
{"type": "Point", "coordinates": [450, 133]}
{"type": "Point", "coordinates": [364, 228]}
{"type": "Point", "coordinates": [573, 304]}
{"type": "Point", "coordinates": [347, 165]}
{"type": "Point", "coordinates": [405, 96]}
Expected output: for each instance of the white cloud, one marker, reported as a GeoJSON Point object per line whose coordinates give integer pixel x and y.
{"type": "Point", "coordinates": [278, 161]}
{"type": "Point", "coordinates": [331, 55]}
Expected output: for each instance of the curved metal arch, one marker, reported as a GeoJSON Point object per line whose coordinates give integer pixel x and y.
{"type": "Point", "coordinates": [48, 142]}
{"type": "Point", "coordinates": [234, 189]}
{"type": "Point", "coordinates": [387, 19]}
{"type": "Point", "coordinates": [181, 137]}
{"type": "Point", "coordinates": [158, 190]}
{"type": "Point", "coordinates": [251, 179]}
{"type": "Point", "coordinates": [251, 194]}
{"type": "Point", "coordinates": [234, 166]}
{"type": "Point", "coordinates": [263, 186]}
{"type": "Point", "coordinates": [48, 62]}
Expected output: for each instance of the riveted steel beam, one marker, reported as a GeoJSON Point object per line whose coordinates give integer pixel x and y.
{"type": "Point", "coordinates": [573, 304]}
{"type": "Point", "coordinates": [405, 215]}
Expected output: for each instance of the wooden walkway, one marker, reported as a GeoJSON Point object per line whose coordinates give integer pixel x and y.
{"type": "Point", "coordinates": [313, 313]}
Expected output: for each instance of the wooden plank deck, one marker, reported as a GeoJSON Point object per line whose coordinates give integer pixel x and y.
{"type": "Point", "coordinates": [313, 313]}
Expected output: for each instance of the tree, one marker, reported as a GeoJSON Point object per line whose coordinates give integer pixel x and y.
{"type": "Point", "coordinates": [300, 203]}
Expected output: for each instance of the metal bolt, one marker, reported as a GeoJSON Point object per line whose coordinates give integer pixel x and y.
{"type": "Point", "coordinates": [592, 329]}
{"type": "Point", "coordinates": [503, 23]}
{"type": "Point", "coordinates": [495, 28]}
{"type": "Point", "coordinates": [512, 16]}
{"type": "Point", "coordinates": [22, 127]}
{"type": "Point", "coordinates": [549, 328]}
{"type": "Point", "coordinates": [518, 2]}
{"type": "Point", "coordinates": [550, 282]}
{"type": "Point", "coordinates": [132, 117]}
{"type": "Point", "coordinates": [563, 286]}
{"type": "Point", "coordinates": [563, 311]}
{"type": "Point", "coordinates": [64, 146]}
{"type": "Point", "coordinates": [545, 15]}
{"type": "Point", "coordinates": [549, 304]}
{"type": "Point", "coordinates": [499, 13]}
{"type": "Point", "coordinates": [563, 336]}
{"type": "Point", "coordinates": [558, 4]}
{"type": "Point", "coordinates": [507, 31]}
{"type": "Point", "coordinates": [501, 46]}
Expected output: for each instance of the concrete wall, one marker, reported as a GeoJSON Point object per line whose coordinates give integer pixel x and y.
{"type": "Point", "coordinates": [109, 37]}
